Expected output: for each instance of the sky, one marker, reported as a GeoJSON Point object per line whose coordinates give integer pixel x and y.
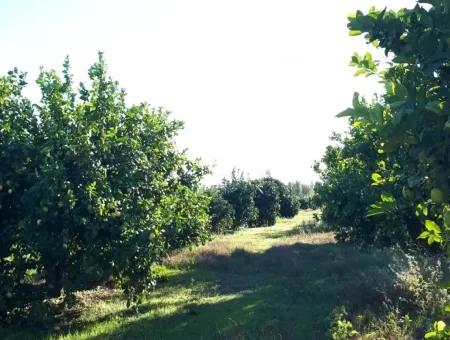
{"type": "Point", "coordinates": [257, 82]}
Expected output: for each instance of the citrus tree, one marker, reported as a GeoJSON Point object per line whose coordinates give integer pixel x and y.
{"type": "Point", "coordinates": [413, 114]}
{"type": "Point", "coordinates": [267, 200]}
{"type": "Point", "coordinates": [240, 193]}
{"type": "Point", "coordinates": [412, 117]}
{"type": "Point", "coordinates": [345, 192]}
{"type": "Point", "coordinates": [91, 190]}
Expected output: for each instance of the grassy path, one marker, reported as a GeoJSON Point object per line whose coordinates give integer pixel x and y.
{"type": "Point", "coordinates": [264, 283]}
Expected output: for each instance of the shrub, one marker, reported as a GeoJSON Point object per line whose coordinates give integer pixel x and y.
{"type": "Point", "coordinates": [221, 213]}
{"type": "Point", "coordinates": [289, 205]}
{"type": "Point", "coordinates": [346, 192]}
{"type": "Point", "coordinates": [289, 200]}
{"type": "Point", "coordinates": [90, 189]}
{"type": "Point", "coordinates": [304, 203]}
{"type": "Point", "coordinates": [254, 202]}
{"type": "Point", "coordinates": [240, 193]}
{"type": "Point", "coordinates": [341, 328]}
{"type": "Point", "coordinates": [404, 296]}
{"type": "Point", "coordinates": [287, 197]}
{"type": "Point", "coordinates": [267, 200]}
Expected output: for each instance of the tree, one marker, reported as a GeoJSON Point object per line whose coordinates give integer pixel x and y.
{"type": "Point", "coordinates": [346, 192]}
{"type": "Point", "coordinates": [267, 201]}
{"type": "Point", "coordinates": [289, 200]}
{"type": "Point", "coordinates": [240, 193]}
{"type": "Point", "coordinates": [221, 212]}
{"type": "Point", "coordinates": [412, 118]}
{"type": "Point", "coordinates": [91, 190]}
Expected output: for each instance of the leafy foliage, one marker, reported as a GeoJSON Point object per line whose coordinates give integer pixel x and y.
{"type": "Point", "coordinates": [221, 212]}
{"type": "Point", "coordinates": [250, 203]}
{"type": "Point", "coordinates": [413, 117]}
{"type": "Point", "coordinates": [91, 190]}
{"type": "Point", "coordinates": [411, 120]}
{"type": "Point", "coordinates": [289, 204]}
{"type": "Point", "coordinates": [346, 192]}
{"type": "Point", "coordinates": [267, 201]}
{"type": "Point", "coordinates": [240, 193]}
{"type": "Point", "coordinates": [289, 199]}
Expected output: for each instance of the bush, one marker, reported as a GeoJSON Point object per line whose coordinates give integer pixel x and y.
{"type": "Point", "coordinates": [289, 199]}
{"type": "Point", "coordinates": [346, 192]}
{"type": "Point", "coordinates": [289, 205]}
{"type": "Point", "coordinates": [405, 296]}
{"type": "Point", "coordinates": [267, 200]}
{"type": "Point", "coordinates": [90, 189]}
{"type": "Point", "coordinates": [240, 193]}
{"type": "Point", "coordinates": [221, 213]}
{"type": "Point", "coordinates": [253, 202]}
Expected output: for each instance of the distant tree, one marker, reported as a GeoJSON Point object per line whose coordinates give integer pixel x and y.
{"type": "Point", "coordinates": [301, 190]}
{"type": "Point", "coordinates": [267, 201]}
{"type": "Point", "coordinates": [222, 214]}
{"type": "Point", "coordinates": [240, 193]}
{"type": "Point", "coordinates": [288, 200]}
{"type": "Point", "coordinates": [254, 202]}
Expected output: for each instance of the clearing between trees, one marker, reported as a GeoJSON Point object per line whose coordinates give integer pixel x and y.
{"type": "Point", "coordinates": [282, 282]}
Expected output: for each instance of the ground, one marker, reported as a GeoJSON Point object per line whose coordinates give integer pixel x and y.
{"type": "Point", "coordinates": [280, 282]}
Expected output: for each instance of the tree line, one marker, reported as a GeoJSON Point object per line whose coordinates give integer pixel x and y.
{"type": "Point", "coordinates": [240, 202]}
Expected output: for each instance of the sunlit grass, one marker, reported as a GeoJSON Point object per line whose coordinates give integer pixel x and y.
{"type": "Point", "coordinates": [279, 282]}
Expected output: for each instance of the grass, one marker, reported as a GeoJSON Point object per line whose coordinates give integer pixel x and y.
{"type": "Point", "coordinates": [278, 282]}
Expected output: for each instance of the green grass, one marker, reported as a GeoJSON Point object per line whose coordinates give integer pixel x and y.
{"type": "Point", "coordinates": [264, 283]}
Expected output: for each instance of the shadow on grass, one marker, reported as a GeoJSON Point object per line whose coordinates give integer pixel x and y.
{"type": "Point", "coordinates": [287, 292]}
{"type": "Point", "coordinates": [306, 227]}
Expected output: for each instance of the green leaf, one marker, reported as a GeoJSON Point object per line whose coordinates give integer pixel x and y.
{"type": "Point", "coordinates": [375, 210]}
{"type": "Point", "coordinates": [423, 235]}
{"type": "Point", "coordinates": [435, 107]}
{"type": "Point", "coordinates": [354, 32]}
{"type": "Point", "coordinates": [421, 209]}
{"type": "Point", "coordinates": [355, 100]}
{"type": "Point", "coordinates": [351, 16]}
{"type": "Point", "coordinates": [356, 60]}
{"type": "Point", "coordinates": [346, 113]}
{"type": "Point", "coordinates": [377, 179]}
{"type": "Point", "coordinates": [432, 226]}
{"type": "Point", "coordinates": [390, 88]}
{"type": "Point", "coordinates": [430, 335]}
{"type": "Point", "coordinates": [376, 114]}
{"type": "Point", "coordinates": [401, 91]}
{"type": "Point", "coordinates": [440, 326]}
{"type": "Point", "coordinates": [368, 62]}
{"type": "Point", "coordinates": [386, 197]}
{"type": "Point", "coordinates": [359, 72]}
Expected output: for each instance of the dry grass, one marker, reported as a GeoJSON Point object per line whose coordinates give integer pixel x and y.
{"type": "Point", "coordinates": [255, 240]}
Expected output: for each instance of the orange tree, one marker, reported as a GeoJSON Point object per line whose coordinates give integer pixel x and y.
{"type": "Point", "coordinates": [413, 114]}
{"type": "Point", "coordinates": [412, 117]}
{"type": "Point", "coordinates": [91, 190]}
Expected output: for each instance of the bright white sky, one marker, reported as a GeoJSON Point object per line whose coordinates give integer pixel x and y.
{"type": "Point", "coordinates": [257, 82]}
